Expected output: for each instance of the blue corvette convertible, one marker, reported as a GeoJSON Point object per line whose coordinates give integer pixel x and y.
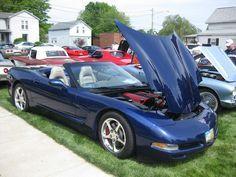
{"type": "Point", "coordinates": [164, 119]}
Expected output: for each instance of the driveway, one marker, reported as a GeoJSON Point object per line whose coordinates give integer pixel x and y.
{"type": "Point", "coordinates": [27, 152]}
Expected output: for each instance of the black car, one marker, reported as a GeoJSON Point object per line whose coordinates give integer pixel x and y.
{"type": "Point", "coordinates": [91, 49]}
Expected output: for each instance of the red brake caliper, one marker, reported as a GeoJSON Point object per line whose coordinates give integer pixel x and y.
{"type": "Point", "coordinates": [107, 131]}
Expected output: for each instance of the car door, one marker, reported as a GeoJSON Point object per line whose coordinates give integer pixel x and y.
{"type": "Point", "coordinates": [58, 99]}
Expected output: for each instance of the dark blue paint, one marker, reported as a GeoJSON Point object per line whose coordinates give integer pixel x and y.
{"type": "Point", "coordinates": [169, 67]}
{"type": "Point", "coordinates": [83, 109]}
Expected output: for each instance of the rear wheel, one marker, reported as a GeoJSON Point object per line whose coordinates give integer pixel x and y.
{"type": "Point", "coordinates": [20, 98]}
{"type": "Point", "coordinates": [210, 98]}
{"type": "Point", "coordinates": [115, 135]}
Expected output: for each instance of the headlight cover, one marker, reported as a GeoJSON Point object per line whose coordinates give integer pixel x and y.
{"type": "Point", "coordinates": [164, 146]}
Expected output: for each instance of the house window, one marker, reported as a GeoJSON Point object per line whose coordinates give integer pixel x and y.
{"type": "Point", "coordinates": [25, 37]}
{"type": "Point", "coordinates": [77, 29]}
{"type": "Point", "coordinates": [26, 24]}
{"type": "Point", "coordinates": [22, 24]}
{"type": "Point", "coordinates": [83, 30]}
{"type": "Point", "coordinates": [209, 41]}
{"type": "Point", "coordinates": [217, 41]}
{"type": "Point", "coordinates": [2, 37]}
{"type": "Point", "coordinates": [54, 40]}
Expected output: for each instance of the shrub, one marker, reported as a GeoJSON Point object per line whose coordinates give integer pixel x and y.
{"type": "Point", "coordinates": [18, 40]}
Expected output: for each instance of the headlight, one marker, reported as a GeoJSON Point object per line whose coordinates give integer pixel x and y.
{"type": "Point", "coordinates": [164, 146]}
{"type": "Point", "coordinates": [234, 95]}
{"type": "Point", "coordinates": [234, 92]}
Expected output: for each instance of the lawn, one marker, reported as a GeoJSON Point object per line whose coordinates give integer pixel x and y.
{"type": "Point", "coordinates": [219, 160]}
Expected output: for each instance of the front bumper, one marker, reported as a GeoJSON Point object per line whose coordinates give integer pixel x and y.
{"type": "Point", "coordinates": [164, 155]}
{"type": "Point", "coordinates": [228, 103]}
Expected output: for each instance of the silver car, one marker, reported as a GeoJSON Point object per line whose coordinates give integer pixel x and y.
{"type": "Point", "coordinates": [218, 86]}
{"type": "Point", "coordinates": [5, 66]}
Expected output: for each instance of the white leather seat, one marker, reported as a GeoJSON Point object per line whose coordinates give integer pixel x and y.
{"type": "Point", "coordinates": [58, 73]}
{"type": "Point", "coordinates": [86, 76]}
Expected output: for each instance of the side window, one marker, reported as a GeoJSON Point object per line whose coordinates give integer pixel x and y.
{"type": "Point", "coordinates": [33, 54]}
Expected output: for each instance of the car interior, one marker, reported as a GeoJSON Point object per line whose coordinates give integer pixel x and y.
{"type": "Point", "coordinates": [86, 75]}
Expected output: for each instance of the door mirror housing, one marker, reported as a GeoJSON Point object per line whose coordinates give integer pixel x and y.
{"type": "Point", "coordinates": [57, 84]}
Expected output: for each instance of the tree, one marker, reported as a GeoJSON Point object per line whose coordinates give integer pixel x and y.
{"type": "Point", "coordinates": [178, 24]}
{"type": "Point", "coordinates": [38, 7]}
{"type": "Point", "coordinates": [100, 16]}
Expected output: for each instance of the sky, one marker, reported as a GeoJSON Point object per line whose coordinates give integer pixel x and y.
{"type": "Point", "coordinates": [139, 11]}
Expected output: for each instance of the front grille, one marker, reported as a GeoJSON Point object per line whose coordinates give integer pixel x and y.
{"type": "Point", "coordinates": [189, 145]}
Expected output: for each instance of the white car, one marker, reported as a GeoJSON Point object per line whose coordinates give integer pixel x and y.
{"type": "Point", "coordinates": [5, 66]}
{"type": "Point", "coordinates": [24, 45]}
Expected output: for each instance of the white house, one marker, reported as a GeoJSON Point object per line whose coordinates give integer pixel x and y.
{"type": "Point", "coordinates": [66, 33]}
{"type": "Point", "coordinates": [21, 24]}
{"type": "Point", "coordinates": [221, 25]}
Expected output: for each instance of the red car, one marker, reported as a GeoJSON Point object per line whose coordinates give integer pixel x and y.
{"type": "Point", "coordinates": [75, 51]}
{"type": "Point", "coordinates": [116, 56]}
{"type": "Point", "coordinates": [44, 55]}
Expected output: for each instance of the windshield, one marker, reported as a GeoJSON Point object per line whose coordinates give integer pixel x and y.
{"type": "Point", "coordinates": [55, 53]}
{"type": "Point", "coordinates": [103, 75]}
{"type": "Point", "coordinates": [74, 48]}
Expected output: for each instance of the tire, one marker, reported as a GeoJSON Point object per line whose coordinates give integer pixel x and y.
{"type": "Point", "coordinates": [119, 135]}
{"type": "Point", "coordinates": [211, 99]}
{"type": "Point", "coordinates": [20, 98]}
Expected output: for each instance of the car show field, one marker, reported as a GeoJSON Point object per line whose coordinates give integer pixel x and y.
{"type": "Point", "coordinates": [123, 89]}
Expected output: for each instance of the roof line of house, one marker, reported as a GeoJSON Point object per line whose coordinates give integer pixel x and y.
{"type": "Point", "coordinates": [17, 13]}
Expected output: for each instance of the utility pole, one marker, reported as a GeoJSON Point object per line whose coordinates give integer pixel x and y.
{"type": "Point", "coordinates": [152, 21]}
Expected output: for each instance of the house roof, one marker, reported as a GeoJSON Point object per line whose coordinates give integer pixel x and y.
{"type": "Point", "coordinates": [223, 15]}
{"type": "Point", "coordinates": [6, 15]}
{"type": "Point", "coordinates": [223, 32]}
{"type": "Point", "coordinates": [66, 25]}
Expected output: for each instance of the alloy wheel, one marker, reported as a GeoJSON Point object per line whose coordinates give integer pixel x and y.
{"type": "Point", "coordinates": [20, 98]}
{"type": "Point", "coordinates": [113, 135]}
{"type": "Point", "coordinates": [210, 99]}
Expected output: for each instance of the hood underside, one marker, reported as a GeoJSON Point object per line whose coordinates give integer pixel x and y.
{"type": "Point", "coordinates": [220, 61]}
{"type": "Point", "coordinates": [168, 66]}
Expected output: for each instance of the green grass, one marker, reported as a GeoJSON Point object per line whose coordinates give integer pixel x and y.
{"type": "Point", "coordinates": [219, 160]}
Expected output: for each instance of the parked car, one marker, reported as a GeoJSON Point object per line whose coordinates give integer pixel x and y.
{"type": "Point", "coordinates": [218, 87]}
{"type": "Point", "coordinates": [116, 56]}
{"type": "Point", "coordinates": [24, 45]}
{"type": "Point", "coordinates": [5, 66]}
{"type": "Point", "coordinates": [43, 55]}
{"type": "Point", "coordinates": [75, 51]}
{"type": "Point", "coordinates": [91, 49]}
{"type": "Point", "coordinates": [8, 50]}
{"type": "Point", "coordinates": [164, 120]}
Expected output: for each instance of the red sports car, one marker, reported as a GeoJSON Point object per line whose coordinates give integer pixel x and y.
{"type": "Point", "coordinates": [75, 51]}
{"type": "Point", "coordinates": [116, 56]}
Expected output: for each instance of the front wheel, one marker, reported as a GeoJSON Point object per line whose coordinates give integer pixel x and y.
{"type": "Point", "coordinates": [210, 98]}
{"type": "Point", "coordinates": [20, 98]}
{"type": "Point", "coordinates": [115, 135]}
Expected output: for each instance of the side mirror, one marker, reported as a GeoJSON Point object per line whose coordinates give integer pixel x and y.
{"type": "Point", "coordinates": [96, 55]}
{"type": "Point", "coordinates": [57, 83]}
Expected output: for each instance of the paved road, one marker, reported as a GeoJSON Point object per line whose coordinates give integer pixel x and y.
{"type": "Point", "coordinates": [27, 152]}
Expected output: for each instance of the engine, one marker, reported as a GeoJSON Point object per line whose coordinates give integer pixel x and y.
{"type": "Point", "coordinates": [148, 99]}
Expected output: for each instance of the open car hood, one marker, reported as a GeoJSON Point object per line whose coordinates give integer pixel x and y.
{"type": "Point", "coordinates": [220, 61]}
{"type": "Point", "coordinates": [168, 66]}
